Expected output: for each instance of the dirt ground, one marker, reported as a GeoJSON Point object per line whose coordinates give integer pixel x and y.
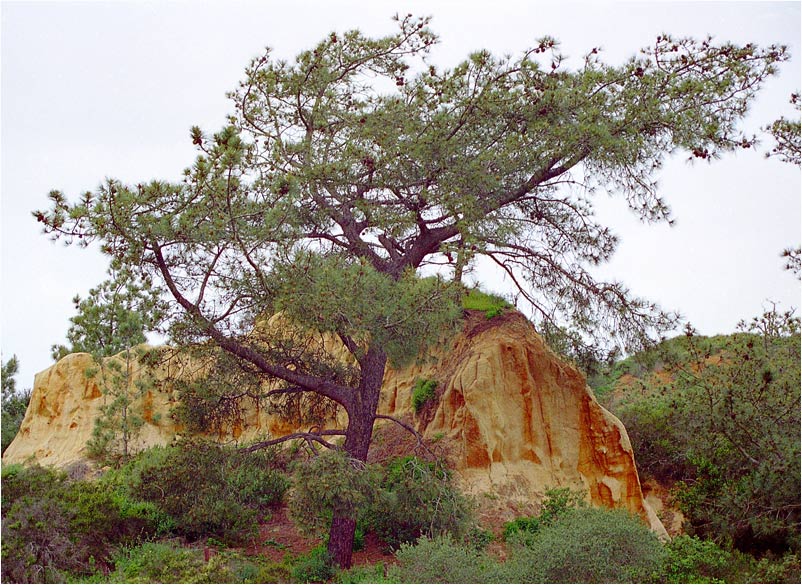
{"type": "Point", "coordinates": [279, 537]}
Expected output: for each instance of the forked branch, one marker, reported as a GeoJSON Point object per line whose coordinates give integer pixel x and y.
{"type": "Point", "coordinates": [412, 430]}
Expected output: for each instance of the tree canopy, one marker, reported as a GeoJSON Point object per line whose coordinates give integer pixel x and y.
{"type": "Point", "coordinates": [346, 175]}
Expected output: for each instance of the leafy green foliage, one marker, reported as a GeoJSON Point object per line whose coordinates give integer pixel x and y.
{"type": "Point", "coordinates": [588, 545]}
{"type": "Point", "coordinates": [52, 525]}
{"type": "Point", "coordinates": [37, 547]}
{"type": "Point", "coordinates": [331, 483]}
{"type": "Point", "coordinates": [441, 560]}
{"type": "Point", "coordinates": [769, 569]}
{"type": "Point", "coordinates": [691, 560]}
{"type": "Point", "coordinates": [722, 421]}
{"type": "Point", "coordinates": [557, 502]}
{"type": "Point", "coordinates": [14, 403]}
{"type": "Point", "coordinates": [492, 305]}
{"type": "Point", "coordinates": [313, 567]}
{"type": "Point", "coordinates": [422, 393]}
{"type": "Point", "coordinates": [164, 562]}
{"type": "Point", "coordinates": [416, 498]}
{"type": "Point", "coordinates": [210, 490]}
{"type": "Point", "coordinates": [364, 574]}
{"type": "Point", "coordinates": [153, 562]}
{"type": "Point", "coordinates": [400, 501]}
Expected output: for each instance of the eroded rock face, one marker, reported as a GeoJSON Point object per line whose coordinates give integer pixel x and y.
{"type": "Point", "coordinates": [517, 420]}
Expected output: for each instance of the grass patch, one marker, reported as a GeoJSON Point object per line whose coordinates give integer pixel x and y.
{"type": "Point", "coordinates": [492, 305]}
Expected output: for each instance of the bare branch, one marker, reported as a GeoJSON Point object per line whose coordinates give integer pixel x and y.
{"type": "Point", "coordinates": [317, 437]}
{"type": "Point", "coordinates": [412, 430]}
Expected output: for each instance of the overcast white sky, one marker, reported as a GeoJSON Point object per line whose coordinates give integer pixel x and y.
{"type": "Point", "coordinates": [94, 90]}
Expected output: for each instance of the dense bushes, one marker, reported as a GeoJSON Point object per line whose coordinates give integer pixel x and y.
{"type": "Point", "coordinates": [589, 545]}
{"type": "Point", "coordinates": [722, 422]}
{"type": "Point", "coordinates": [207, 489]}
{"type": "Point", "coordinates": [416, 498]}
{"type": "Point", "coordinates": [442, 560]}
{"type": "Point", "coordinates": [52, 526]}
{"type": "Point", "coordinates": [557, 502]}
{"type": "Point", "coordinates": [313, 567]}
{"type": "Point", "coordinates": [400, 501]}
{"type": "Point", "coordinates": [580, 546]}
{"type": "Point", "coordinates": [57, 530]}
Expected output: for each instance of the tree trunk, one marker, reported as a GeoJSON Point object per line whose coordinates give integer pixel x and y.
{"type": "Point", "coordinates": [459, 267]}
{"type": "Point", "coordinates": [358, 435]}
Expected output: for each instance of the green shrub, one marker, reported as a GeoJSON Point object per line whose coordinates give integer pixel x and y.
{"type": "Point", "coordinates": [691, 560]}
{"type": "Point", "coordinates": [416, 498]}
{"type": "Point", "coordinates": [313, 567]}
{"type": "Point", "coordinates": [32, 481]}
{"type": "Point", "coordinates": [52, 526]}
{"type": "Point", "coordinates": [784, 569]}
{"type": "Point", "coordinates": [478, 538]}
{"type": "Point", "coordinates": [588, 545]}
{"type": "Point", "coordinates": [557, 502]}
{"type": "Point", "coordinates": [37, 547]}
{"type": "Point", "coordinates": [364, 574]}
{"type": "Point", "coordinates": [155, 562]}
{"type": "Point", "coordinates": [257, 486]}
{"type": "Point", "coordinates": [423, 392]}
{"type": "Point", "coordinates": [331, 483]}
{"type": "Point", "coordinates": [399, 501]}
{"type": "Point", "coordinates": [207, 489]}
{"type": "Point", "coordinates": [146, 513]}
{"type": "Point", "coordinates": [441, 560]}
{"type": "Point", "coordinates": [722, 424]}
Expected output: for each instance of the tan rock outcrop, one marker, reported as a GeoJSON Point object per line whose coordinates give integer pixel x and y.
{"type": "Point", "coordinates": [516, 419]}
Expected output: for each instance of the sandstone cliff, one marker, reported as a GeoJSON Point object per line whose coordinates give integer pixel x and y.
{"type": "Point", "coordinates": [513, 417]}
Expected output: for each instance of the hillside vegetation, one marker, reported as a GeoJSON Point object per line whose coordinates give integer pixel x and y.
{"type": "Point", "coordinates": [717, 420]}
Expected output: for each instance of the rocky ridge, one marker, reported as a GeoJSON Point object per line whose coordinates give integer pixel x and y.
{"type": "Point", "coordinates": [513, 417]}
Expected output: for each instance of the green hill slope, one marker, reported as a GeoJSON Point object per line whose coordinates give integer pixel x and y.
{"type": "Point", "coordinates": [718, 419]}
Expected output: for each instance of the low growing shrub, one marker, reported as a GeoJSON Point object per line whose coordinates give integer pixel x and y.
{"type": "Point", "coordinates": [423, 392]}
{"type": "Point", "coordinates": [363, 574]}
{"type": "Point", "coordinates": [37, 547]}
{"type": "Point", "coordinates": [209, 490]}
{"type": "Point", "coordinates": [56, 526]}
{"type": "Point", "coordinates": [313, 567]}
{"type": "Point", "coordinates": [441, 560]}
{"type": "Point", "coordinates": [416, 498]}
{"type": "Point", "coordinates": [588, 545]}
{"type": "Point", "coordinates": [557, 502]}
{"type": "Point", "coordinates": [691, 560]}
{"type": "Point", "coordinates": [157, 562]}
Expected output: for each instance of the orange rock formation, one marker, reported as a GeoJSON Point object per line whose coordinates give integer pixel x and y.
{"type": "Point", "coordinates": [517, 419]}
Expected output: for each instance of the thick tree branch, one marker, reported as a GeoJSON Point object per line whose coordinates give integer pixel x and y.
{"type": "Point", "coordinates": [310, 436]}
{"type": "Point", "coordinates": [336, 392]}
